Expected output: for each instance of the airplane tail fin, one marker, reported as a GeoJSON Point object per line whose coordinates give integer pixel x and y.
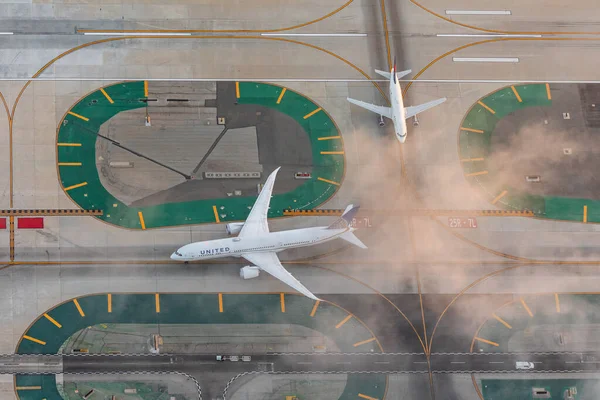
{"type": "Point", "coordinates": [351, 238]}
{"type": "Point", "coordinates": [346, 219]}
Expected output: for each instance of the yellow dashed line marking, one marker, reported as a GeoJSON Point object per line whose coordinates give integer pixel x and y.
{"type": "Point", "coordinates": [29, 387]}
{"type": "Point", "coordinates": [310, 114]}
{"type": "Point", "coordinates": [328, 181]}
{"type": "Point", "coordinates": [282, 301]}
{"type": "Point", "coordinates": [314, 309]}
{"type": "Point", "coordinates": [216, 214]}
{"type": "Point", "coordinates": [69, 164]}
{"type": "Point", "coordinates": [548, 91]}
{"type": "Point", "coordinates": [516, 94]}
{"type": "Point", "coordinates": [281, 95]}
{"type": "Point", "coordinates": [503, 322]}
{"type": "Point", "coordinates": [108, 97]}
{"type": "Point", "coordinates": [342, 322]}
{"type": "Point", "coordinates": [557, 302]}
{"type": "Point", "coordinates": [157, 302]}
{"type": "Point", "coordinates": [78, 307]}
{"type": "Point", "coordinates": [364, 396]}
{"type": "Point", "coordinates": [482, 104]}
{"type": "Point", "coordinates": [221, 302]}
{"type": "Point", "coordinates": [477, 173]}
{"type": "Point", "coordinates": [69, 144]}
{"type": "Point", "coordinates": [329, 137]}
{"type": "Point", "coordinates": [38, 341]}
{"type": "Point", "coordinates": [471, 130]}
{"type": "Point", "coordinates": [75, 186]}
{"type": "Point", "coordinates": [332, 152]}
{"type": "Point", "coordinates": [526, 308]}
{"type": "Point", "coordinates": [145, 88]}
{"type": "Point", "coordinates": [585, 214]}
{"type": "Point", "coordinates": [109, 302]}
{"type": "Point", "coordinates": [237, 90]}
{"type": "Point", "coordinates": [487, 341]}
{"type": "Point", "coordinates": [49, 318]}
{"type": "Point", "coordinates": [79, 116]}
{"type": "Point", "coordinates": [142, 219]}
{"type": "Point", "coordinates": [363, 342]}
{"type": "Point", "coordinates": [501, 195]}
{"type": "Point", "coordinates": [472, 159]}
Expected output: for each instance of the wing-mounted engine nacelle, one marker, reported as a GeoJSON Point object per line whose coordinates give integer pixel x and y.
{"type": "Point", "coordinates": [234, 228]}
{"type": "Point", "coordinates": [249, 272]}
{"type": "Point", "coordinates": [381, 121]}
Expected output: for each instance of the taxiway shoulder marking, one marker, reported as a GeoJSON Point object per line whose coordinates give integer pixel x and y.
{"type": "Point", "coordinates": [314, 309]}
{"type": "Point", "coordinates": [332, 152]}
{"type": "Point", "coordinates": [503, 322]}
{"type": "Point", "coordinates": [281, 95]}
{"type": "Point", "coordinates": [482, 104]}
{"type": "Point", "coordinates": [69, 164]}
{"type": "Point", "coordinates": [145, 88]}
{"type": "Point", "coordinates": [329, 137]}
{"type": "Point", "coordinates": [364, 396]}
{"type": "Point", "coordinates": [78, 116]}
{"type": "Point", "coordinates": [220, 302]}
{"type": "Point", "coordinates": [585, 214]}
{"type": "Point", "coordinates": [462, 128]}
{"type": "Point", "coordinates": [237, 90]}
{"type": "Point", "coordinates": [342, 322]}
{"type": "Point", "coordinates": [109, 302]}
{"type": "Point", "coordinates": [487, 341]}
{"type": "Point", "coordinates": [363, 342]}
{"type": "Point", "coordinates": [310, 114]}
{"type": "Point", "coordinates": [49, 318]}
{"type": "Point", "coordinates": [78, 307]}
{"type": "Point", "coordinates": [216, 214]}
{"type": "Point", "coordinates": [157, 302]}
{"type": "Point", "coordinates": [501, 195]}
{"type": "Point", "coordinates": [548, 91]}
{"type": "Point", "coordinates": [32, 339]}
{"type": "Point", "coordinates": [328, 181]}
{"type": "Point", "coordinates": [142, 220]}
{"type": "Point", "coordinates": [472, 159]}
{"type": "Point", "coordinates": [75, 186]}
{"type": "Point", "coordinates": [557, 302]}
{"type": "Point", "coordinates": [282, 301]}
{"type": "Point", "coordinates": [526, 307]}
{"type": "Point", "coordinates": [69, 144]}
{"type": "Point", "coordinates": [514, 89]}
{"type": "Point", "coordinates": [28, 387]}
{"type": "Point", "coordinates": [111, 101]}
{"type": "Point", "coordinates": [477, 173]}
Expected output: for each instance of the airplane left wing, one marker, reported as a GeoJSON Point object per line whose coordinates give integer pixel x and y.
{"type": "Point", "coordinates": [414, 110]}
{"type": "Point", "coordinates": [256, 223]}
{"type": "Point", "coordinates": [269, 262]}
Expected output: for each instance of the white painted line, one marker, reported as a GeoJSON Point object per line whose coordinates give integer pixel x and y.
{"type": "Point", "coordinates": [317, 34]}
{"type": "Point", "coordinates": [135, 34]}
{"type": "Point", "coordinates": [457, 362]}
{"type": "Point", "coordinates": [496, 362]}
{"type": "Point", "coordinates": [304, 362]}
{"type": "Point", "coordinates": [486, 59]}
{"type": "Point", "coordinates": [419, 362]}
{"type": "Point", "coordinates": [6, 33]}
{"type": "Point", "coordinates": [478, 12]}
{"type": "Point", "coordinates": [490, 35]}
{"type": "Point", "coordinates": [382, 362]}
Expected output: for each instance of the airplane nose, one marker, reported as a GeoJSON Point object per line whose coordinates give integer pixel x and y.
{"type": "Point", "coordinates": [174, 256]}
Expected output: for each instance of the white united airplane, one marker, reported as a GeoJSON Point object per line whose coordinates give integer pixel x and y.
{"type": "Point", "coordinates": [260, 247]}
{"type": "Point", "coordinates": [397, 112]}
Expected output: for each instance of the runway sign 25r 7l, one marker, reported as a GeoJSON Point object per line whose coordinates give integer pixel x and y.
{"type": "Point", "coordinates": [462, 222]}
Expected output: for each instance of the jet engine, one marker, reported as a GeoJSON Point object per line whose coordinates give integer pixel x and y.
{"type": "Point", "coordinates": [381, 121]}
{"type": "Point", "coordinates": [234, 228]}
{"type": "Point", "coordinates": [249, 272]}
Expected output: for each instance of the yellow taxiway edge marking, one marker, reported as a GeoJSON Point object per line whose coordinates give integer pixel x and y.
{"type": "Point", "coordinates": [281, 95]}
{"type": "Point", "coordinates": [477, 173]}
{"type": "Point", "coordinates": [516, 94]}
{"type": "Point", "coordinates": [142, 220]}
{"type": "Point", "coordinates": [472, 159]}
{"type": "Point", "coordinates": [75, 186]}
{"type": "Point", "coordinates": [526, 307]}
{"type": "Point", "coordinates": [29, 387]}
{"type": "Point", "coordinates": [157, 302]}
{"type": "Point", "coordinates": [342, 322]}
{"type": "Point", "coordinates": [557, 302]}
{"type": "Point", "coordinates": [487, 341]}
{"type": "Point", "coordinates": [78, 308]}
{"type": "Point", "coordinates": [363, 342]}
{"type": "Point", "coordinates": [328, 181]}
{"type": "Point", "coordinates": [482, 104]}
{"type": "Point", "coordinates": [310, 114]}
{"type": "Point", "coordinates": [216, 214]}
{"type": "Point", "coordinates": [79, 116]}
{"type": "Point", "coordinates": [107, 96]}
{"type": "Point", "coordinates": [585, 214]}
{"type": "Point", "coordinates": [145, 88]}
{"type": "Point", "coordinates": [462, 128]}
{"type": "Point", "coordinates": [237, 90]}
{"type": "Point", "coordinates": [109, 302]}
{"type": "Point", "coordinates": [332, 152]}
{"type": "Point", "coordinates": [49, 318]}
{"type": "Point", "coordinates": [220, 302]}
{"type": "Point", "coordinates": [548, 91]}
{"type": "Point", "coordinates": [314, 309]}
{"type": "Point", "coordinates": [282, 301]}
{"type": "Point", "coordinates": [69, 164]}
{"type": "Point", "coordinates": [503, 322]}
{"type": "Point", "coordinates": [38, 341]}
{"type": "Point", "coordinates": [501, 195]}
{"type": "Point", "coordinates": [364, 396]}
{"type": "Point", "coordinates": [329, 137]}
{"type": "Point", "coordinates": [69, 144]}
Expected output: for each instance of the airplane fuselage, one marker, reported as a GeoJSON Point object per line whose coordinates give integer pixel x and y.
{"type": "Point", "coordinates": [270, 242]}
{"type": "Point", "coordinates": [397, 106]}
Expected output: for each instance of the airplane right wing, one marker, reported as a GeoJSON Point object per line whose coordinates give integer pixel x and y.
{"type": "Point", "coordinates": [414, 110]}
{"type": "Point", "coordinates": [269, 262]}
{"type": "Point", "coordinates": [385, 111]}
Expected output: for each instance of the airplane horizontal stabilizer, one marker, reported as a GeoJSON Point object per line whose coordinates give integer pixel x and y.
{"type": "Point", "coordinates": [388, 75]}
{"type": "Point", "coordinates": [351, 238]}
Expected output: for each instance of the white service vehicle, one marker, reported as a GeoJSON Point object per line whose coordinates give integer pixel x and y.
{"type": "Point", "coordinates": [525, 365]}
